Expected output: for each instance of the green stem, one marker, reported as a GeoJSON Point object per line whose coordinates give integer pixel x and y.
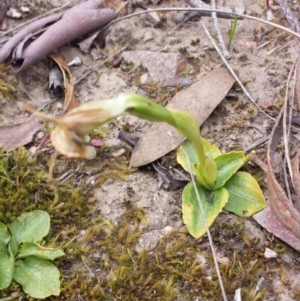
{"type": "Point", "coordinates": [185, 123]}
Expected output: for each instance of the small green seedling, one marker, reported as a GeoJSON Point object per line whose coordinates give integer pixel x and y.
{"type": "Point", "coordinates": [232, 30]}
{"type": "Point", "coordinates": [216, 173]}
{"type": "Point", "coordinates": [23, 260]}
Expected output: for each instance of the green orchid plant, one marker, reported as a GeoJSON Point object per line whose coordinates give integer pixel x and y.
{"type": "Point", "coordinates": [24, 260]}
{"type": "Point", "coordinates": [218, 182]}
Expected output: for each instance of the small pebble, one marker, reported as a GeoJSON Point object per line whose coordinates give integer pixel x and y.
{"type": "Point", "coordinates": [40, 135]}
{"type": "Point", "coordinates": [154, 17]}
{"type": "Point", "coordinates": [24, 9]}
{"type": "Point", "coordinates": [144, 78]}
{"type": "Point", "coordinates": [75, 62]}
{"type": "Point", "coordinates": [148, 36]}
{"type": "Point", "coordinates": [270, 253]}
{"type": "Point", "coordinates": [272, 72]}
{"type": "Point", "coordinates": [91, 152]}
{"type": "Point", "coordinates": [32, 151]}
{"type": "Point", "coordinates": [166, 230]}
{"type": "Point", "coordinates": [13, 13]}
{"type": "Point", "coordinates": [223, 260]}
{"type": "Point", "coordinates": [119, 152]}
{"type": "Point", "coordinates": [179, 17]}
{"type": "Point", "coordinates": [142, 3]}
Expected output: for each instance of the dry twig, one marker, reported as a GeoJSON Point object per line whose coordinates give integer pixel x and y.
{"type": "Point", "coordinates": [208, 11]}
{"type": "Point", "coordinates": [287, 119]}
{"type": "Point", "coordinates": [226, 53]}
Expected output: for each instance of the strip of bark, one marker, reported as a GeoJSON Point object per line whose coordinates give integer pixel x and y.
{"type": "Point", "coordinates": [8, 47]}
{"type": "Point", "coordinates": [281, 205]}
{"type": "Point", "coordinates": [79, 20]}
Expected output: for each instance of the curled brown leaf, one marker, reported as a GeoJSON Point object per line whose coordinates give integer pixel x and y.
{"type": "Point", "coordinates": [78, 21]}
{"type": "Point", "coordinates": [281, 205]}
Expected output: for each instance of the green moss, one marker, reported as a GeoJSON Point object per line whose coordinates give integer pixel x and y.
{"type": "Point", "coordinates": [101, 262]}
{"type": "Point", "coordinates": [6, 89]}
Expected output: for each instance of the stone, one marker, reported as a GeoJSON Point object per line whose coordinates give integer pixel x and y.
{"type": "Point", "coordinates": [161, 66]}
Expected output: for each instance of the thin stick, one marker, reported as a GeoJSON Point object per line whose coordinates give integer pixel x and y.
{"type": "Point", "coordinates": [232, 72]}
{"type": "Point", "coordinates": [206, 226]}
{"type": "Point", "coordinates": [287, 123]}
{"type": "Point", "coordinates": [206, 10]}
{"type": "Point", "coordinates": [226, 53]}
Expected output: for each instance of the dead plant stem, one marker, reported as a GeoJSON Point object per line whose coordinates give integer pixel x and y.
{"type": "Point", "coordinates": [226, 53]}
{"type": "Point", "coordinates": [287, 117]}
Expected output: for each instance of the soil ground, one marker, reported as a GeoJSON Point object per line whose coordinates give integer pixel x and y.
{"type": "Point", "coordinates": [155, 258]}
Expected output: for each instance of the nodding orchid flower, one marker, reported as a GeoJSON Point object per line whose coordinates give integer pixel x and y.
{"type": "Point", "coordinates": [68, 135]}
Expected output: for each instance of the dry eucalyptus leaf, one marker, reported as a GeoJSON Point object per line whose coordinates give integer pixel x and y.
{"type": "Point", "coordinates": [268, 220]}
{"type": "Point", "coordinates": [282, 217]}
{"type": "Point", "coordinates": [16, 135]}
{"type": "Point", "coordinates": [68, 85]}
{"type": "Point", "coordinates": [70, 100]}
{"type": "Point", "coordinates": [199, 99]}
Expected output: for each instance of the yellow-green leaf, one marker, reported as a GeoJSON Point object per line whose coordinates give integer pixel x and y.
{"type": "Point", "coordinates": [31, 248]}
{"type": "Point", "coordinates": [210, 150]}
{"type": "Point", "coordinates": [39, 278]}
{"type": "Point", "coordinates": [191, 210]}
{"type": "Point", "coordinates": [227, 165]}
{"type": "Point", "coordinates": [7, 263]}
{"type": "Point", "coordinates": [245, 195]}
{"type": "Point", "coordinates": [207, 176]}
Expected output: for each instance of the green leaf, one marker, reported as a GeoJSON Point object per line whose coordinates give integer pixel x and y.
{"type": "Point", "coordinates": [245, 195]}
{"type": "Point", "coordinates": [7, 263]}
{"type": "Point", "coordinates": [13, 246]}
{"type": "Point", "coordinates": [39, 278]}
{"type": "Point", "coordinates": [4, 237]}
{"type": "Point", "coordinates": [30, 226]}
{"type": "Point", "coordinates": [207, 176]}
{"type": "Point", "coordinates": [30, 248]}
{"type": "Point", "coordinates": [227, 165]}
{"type": "Point", "coordinates": [210, 150]}
{"type": "Point", "coordinates": [191, 211]}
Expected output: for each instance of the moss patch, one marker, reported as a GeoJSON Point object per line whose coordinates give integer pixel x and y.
{"type": "Point", "coordinates": [101, 262]}
{"type": "Point", "coordinates": [6, 89]}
